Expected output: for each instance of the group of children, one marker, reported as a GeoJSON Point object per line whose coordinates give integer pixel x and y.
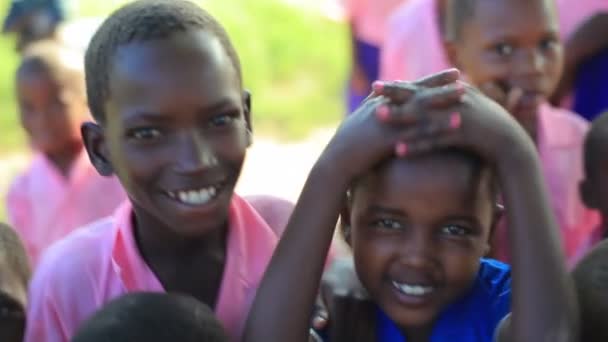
{"type": "Point", "coordinates": [426, 179]}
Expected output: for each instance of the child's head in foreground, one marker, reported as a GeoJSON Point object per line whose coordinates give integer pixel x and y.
{"type": "Point", "coordinates": [591, 280]}
{"type": "Point", "coordinates": [594, 188]}
{"type": "Point", "coordinates": [164, 85]}
{"type": "Point", "coordinates": [511, 44]}
{"type": "Point", "coordinates": [52, 98]}
{"type": "Point", "coordinates": [14, 278]}
{"type": "Point", "coordinates": [418, 228]}
{"type": "Point", "coordinates": [152, 317]}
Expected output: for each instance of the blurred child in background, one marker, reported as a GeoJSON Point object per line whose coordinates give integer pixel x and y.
{"type": "Point", "coordinates": [584, 24]}
{"type": "Point", "coordinates": [511, 50]}
{"type": "Point", "coordinates": [60, 190]}
{"type": "Point", "coordinates": [367, 20]}
{"type": "Point", "coordinates": [14, 278]}
{"type": "Point", "coordinates": [413, 46]}
{"type": "Point", "coordinates": [33, 20]}
{"type": "Point", "coordinates": [152, 317]}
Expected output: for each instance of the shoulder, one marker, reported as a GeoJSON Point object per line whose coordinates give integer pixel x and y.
{"type": "Point", "coordinates": [567, 125]}
{"type": "Point", "coordinates": [274, 210]}
{"type": "Point", "coordinates": [68, 282]}
{"type": "Point", "coordinates": [74, 262]}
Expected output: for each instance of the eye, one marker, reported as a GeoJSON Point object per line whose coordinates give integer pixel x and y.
{"type": "Point", "coordinates": [503, 49]}
{"type": "Point", "coordinates": [387, 224]}
{"type": "Point", "coordinates": [548, 43]}
{"type": "Point", "coordinates": [455, 230]}
{"type": "Point", "coordinates": [146, 133]}
{"type": "Point", "coordinates": [222, 120]}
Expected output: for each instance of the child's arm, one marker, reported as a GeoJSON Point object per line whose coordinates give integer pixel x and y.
{"type": "Point", "coordinates": [589, 39]}
{"type": "Point", "coordinates": [284, 302]}
{"type": "Point", "coordinates": [543, 304]}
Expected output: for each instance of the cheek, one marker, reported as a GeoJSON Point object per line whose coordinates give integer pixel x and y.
{"type": "Point", "coordinates": [372, 256]}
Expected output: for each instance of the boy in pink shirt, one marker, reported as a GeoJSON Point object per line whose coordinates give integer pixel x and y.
{"type": "Point", "coordinates": [173, 123]}
{"type": "Point", "coordinates": [367, 19]}
{"type": "Point", "coordinates": [60, 190]}
{"type": "Point", "coordinates": [512, 51]}
{"type": "Point", "coordinates": [413, 47]}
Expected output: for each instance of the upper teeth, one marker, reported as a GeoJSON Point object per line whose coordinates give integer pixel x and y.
{"type": "Point", "coordinates": [195, 197]}
{"type": "Point", "coordinates": [412, 290]}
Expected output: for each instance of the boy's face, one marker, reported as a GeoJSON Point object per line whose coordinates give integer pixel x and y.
{"type": "Point", "coordinates": [51, 114]}
{"type": "Point", "coordinates": [513, 44]}
{"type": "Point", "coordinates": [12, 306]}
{"type": "Point", "coordinates": [177, 130]}
{"type": "Point", "coordinates": [595, 186]}
{"type": "Point", "coordinates": [419, 229]}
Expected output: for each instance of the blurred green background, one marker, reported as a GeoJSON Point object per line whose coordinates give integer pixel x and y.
{"type": "Point", "coordinates": [294, 62]}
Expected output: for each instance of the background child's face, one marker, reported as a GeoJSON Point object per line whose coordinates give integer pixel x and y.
{"type": "Point", "coordinates": [597, 185]}
{"type": "Point", "coordinates": [419, 229]}
{"type": "Point", "coordinates": [513, 43]}
{"type": "Point", "coordinates": [177, 129]}
{"type": "Point", "coordinates": [50, 113]}
{"type": "Point", "coordinates": [12, 306]}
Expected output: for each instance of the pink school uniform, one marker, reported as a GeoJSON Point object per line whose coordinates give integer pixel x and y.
{"type": "Point", "coordinates": [44, 206]}
{"type": "Point", "coordinates": [560, 144]}
{"type": "Point", "coordinates": [370, 17]}
{"type": "Point", "coordinates": [101, 262]}
{"type": "Point", "coordinates": [413, 47]}
{"type": "Point", "coordinates": [574, 12]}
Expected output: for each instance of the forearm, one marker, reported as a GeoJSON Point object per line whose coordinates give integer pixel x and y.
{"type": "Point", "coordinates": [589, 39]}
{"type": "Point", "coordinates": [285, 299]}
{"type": "Point", "coordinates": [544, 304]}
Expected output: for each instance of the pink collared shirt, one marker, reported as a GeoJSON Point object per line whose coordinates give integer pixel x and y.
{"type": "Point", "coordinates": [413, 47]}
{"type": "Point", "coordinates": [560, 144]}
{"type": "Point", "coordinates": [101, 262]}
{"type": "Point", "coordinates": [370, 18]}
{"type": "Point", "coordinates": [44, 206]}
{"type": "Point", "coordinates": [572, 13]}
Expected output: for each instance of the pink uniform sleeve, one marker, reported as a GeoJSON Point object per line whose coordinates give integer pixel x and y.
{"type": "Point", "coordinates": [18, 213]}
{"type": "Point", "coordinates": [61, 294]}
{"type": "Point", "coordinates": [392, 58]}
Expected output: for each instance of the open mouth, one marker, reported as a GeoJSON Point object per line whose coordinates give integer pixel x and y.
{"type": "Point", "coordinates": [413, 290]}
{"type": "Point", "coordinates": [196, 197]}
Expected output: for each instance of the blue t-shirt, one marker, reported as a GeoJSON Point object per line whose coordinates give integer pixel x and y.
{"type": "Point", "coordinates": [473, 318]}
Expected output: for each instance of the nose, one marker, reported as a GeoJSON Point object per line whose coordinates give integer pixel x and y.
{"type": "Point", "coordinates": [531, 63]}
{"type": "Point", "coordinates": [418, 249]}
{"type": "Point", "coordinates": [194, 154]}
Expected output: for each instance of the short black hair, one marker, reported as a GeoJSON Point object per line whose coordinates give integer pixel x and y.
{"type": "Point", "coordinates": [591, 280]}
{"type": "Point", "coordinates": [13, 254]}
{"type": "Point", "coordinates": [458, 12]}
{"type": "Point", "coordinates": [64, 65]}
{"type": "Point", "coordinates": [596, 141]}
{"type": "Point", "coordinates": [139, 21]}
{"type": "Point", "coordinates": [152, 317]}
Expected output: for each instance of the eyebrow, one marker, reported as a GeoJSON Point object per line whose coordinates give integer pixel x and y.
{"type": "Point", "coordinates": [160, 117]}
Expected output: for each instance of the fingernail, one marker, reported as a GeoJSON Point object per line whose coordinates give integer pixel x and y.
{"type": "Point", "coordinates": [455, 120]}
{"type": "Point", "coordinates": [378, 86]}
{"type": "Point", "coordinates": [401, 149]}
{"type": "Point", "coordinates": [382, 112]}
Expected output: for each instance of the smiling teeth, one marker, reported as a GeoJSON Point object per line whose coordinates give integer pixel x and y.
{"type": "Point", "coordinates": [413, 290]}
{"type": "Point", "coordinates": [195, 197]}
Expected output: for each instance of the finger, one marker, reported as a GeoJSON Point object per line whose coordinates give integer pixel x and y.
{"type": "Point", "coordinates": [396, 91]}
{"type": "Point", "coordinates": [439, 79]}
{"type": "Point", "coordinates": [493, 91]}
{"type": "Point", "coordinates": [513, 99]}
{"type": "Point", "coordinates": [428, 144]}
{"type": "Point", "coordinates": [434, 126]}
{"type": "Point", "coordinates": [426, 101]}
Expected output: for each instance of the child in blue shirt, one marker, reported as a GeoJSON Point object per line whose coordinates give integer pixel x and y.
{"type": "Point", "coordinates": [421, 168]}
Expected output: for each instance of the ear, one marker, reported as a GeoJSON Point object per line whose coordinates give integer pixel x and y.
{"type": "Point", "coordinates": [587, 194]}
{"type": "Point", "coordinates": [95, 143]}
{"type": "Point", "coordinates": [499, 212]}
{"type": "Point", "coordinates": [452, 53]}
{"type": "Point", "coordinates": [345, 223]}
{"type": "Point", "coordinates": [247, 112]}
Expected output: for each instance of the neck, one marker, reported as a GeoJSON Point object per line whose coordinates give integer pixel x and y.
{"type": "Point", "coordinates": [417, 334]}
{"type": "Point", "coordinates": [64, 159]}
{"type": "Point", "coordinates": [159, 243]}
